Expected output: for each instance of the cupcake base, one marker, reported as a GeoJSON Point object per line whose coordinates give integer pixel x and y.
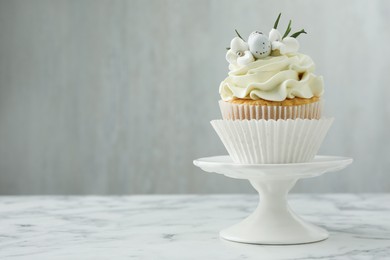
{"type": "Point", "coordinates": [240, 109]}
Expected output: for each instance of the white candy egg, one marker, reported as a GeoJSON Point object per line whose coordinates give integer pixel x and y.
{"type": "Point", "coordinates": [259, 45]}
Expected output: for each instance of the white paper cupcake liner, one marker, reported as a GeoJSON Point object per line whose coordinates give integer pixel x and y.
{"type": "Point", "coordinates": [243, 111]}
{"type": "Point", "coordinates": [270, 141]}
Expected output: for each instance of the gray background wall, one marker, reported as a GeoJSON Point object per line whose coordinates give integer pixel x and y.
{"type": "Point", "coordinates": [115, 97]}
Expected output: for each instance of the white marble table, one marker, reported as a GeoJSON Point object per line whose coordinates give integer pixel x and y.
{"type": "Point", "coordinates": [183, 227]}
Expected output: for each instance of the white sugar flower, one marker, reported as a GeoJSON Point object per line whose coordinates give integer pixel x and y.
{"type": "Point", "coordinates": [239, 53]}
{"type": "Point", "coordinates": [284, 45]}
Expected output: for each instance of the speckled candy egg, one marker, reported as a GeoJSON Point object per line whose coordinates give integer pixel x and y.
{"type": "Point", "coordinates": [259, 45]}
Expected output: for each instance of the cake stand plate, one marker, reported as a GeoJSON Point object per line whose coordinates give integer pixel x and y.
{"type": "Point", "coordinates": [273, 221]}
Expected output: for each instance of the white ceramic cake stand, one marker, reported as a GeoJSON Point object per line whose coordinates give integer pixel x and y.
{"type": "Point", "coordinates": [273, 222]}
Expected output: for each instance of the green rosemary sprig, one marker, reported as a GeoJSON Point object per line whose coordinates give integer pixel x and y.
{"type": "Point", "coordinates": [296, 34]}
{"type": "Point", "coordinates": [239, 35]}
{"type": "Point", "coordinates": [288, 30]}
{"type": "Point", "coordinates": [277, 21]}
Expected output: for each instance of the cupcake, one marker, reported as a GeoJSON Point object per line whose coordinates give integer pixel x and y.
{"type": "Point", "coordinates": [270, 79]}
{"type": "Point", "coordinates": [271, 100]}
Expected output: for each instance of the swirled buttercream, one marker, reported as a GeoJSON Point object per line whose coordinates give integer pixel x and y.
{"type": "Point", "coordinates": [273, 78]}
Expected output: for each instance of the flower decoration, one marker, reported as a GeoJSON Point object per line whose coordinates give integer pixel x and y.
{"type": "Point", "coordinates": [260, 46]}
{"type": "Point", "coordinates": [285, 44]}
{"type": "Point", "coordinates": [238, 53]}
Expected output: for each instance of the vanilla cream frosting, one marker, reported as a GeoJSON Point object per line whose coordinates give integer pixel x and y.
{"type": "Point", "coordinates": [273, 78]}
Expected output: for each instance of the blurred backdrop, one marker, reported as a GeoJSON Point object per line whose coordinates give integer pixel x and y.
{"type": "Point", "coordinates": [115, 97]}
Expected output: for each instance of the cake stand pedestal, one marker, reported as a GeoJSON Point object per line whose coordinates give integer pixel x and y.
{"type": "Point", "coordinates": [273, 221]}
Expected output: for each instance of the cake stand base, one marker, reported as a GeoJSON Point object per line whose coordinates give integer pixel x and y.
{"type": "Point", "coordinates": [273, 222]}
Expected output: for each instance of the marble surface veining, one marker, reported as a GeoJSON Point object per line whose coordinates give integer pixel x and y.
{"type": "Point", "coordinates": [184, 227]}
